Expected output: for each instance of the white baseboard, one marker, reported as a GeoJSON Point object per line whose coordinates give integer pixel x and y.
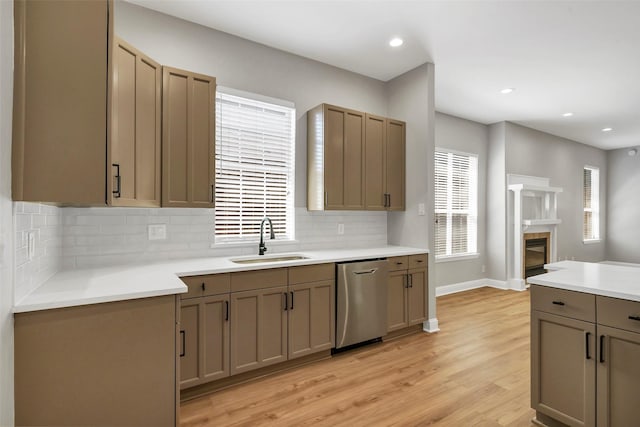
{"type": "Point", "coordinates": [474, 284]}
{"type": "Point", "coordinates": [430, 325]}
{"type": "Point", "coordinates": [517, 284]}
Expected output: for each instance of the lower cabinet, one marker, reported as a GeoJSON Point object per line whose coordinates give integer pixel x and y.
{"type": "Point", "coordinates": [108, 364]}
{"type": "Point", "coordinates": [204, 340]}
{"type": "Point", "coordinates": [259, 318]}
{"type": "Point", "coordinates": [406, 292]}
{"type": "Point", "coordinates": [258, 328]}
{"type": "Point", "coordinates": [584, 358]}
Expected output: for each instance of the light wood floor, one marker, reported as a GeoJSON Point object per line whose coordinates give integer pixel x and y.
{"type": "Point", "coordinates": [474, 372]}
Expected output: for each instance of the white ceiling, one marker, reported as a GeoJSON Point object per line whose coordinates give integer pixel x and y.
{"type": "Point", "coordinates": [560, 56]}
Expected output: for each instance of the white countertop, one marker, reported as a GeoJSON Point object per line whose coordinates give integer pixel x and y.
{"type": "Point", "coordinates": [609, 280]}
{"type": "Point", "coordinates": [91, 286]}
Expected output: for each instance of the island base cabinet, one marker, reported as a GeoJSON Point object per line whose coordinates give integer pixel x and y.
{"type": "Point", "coordinates": [109, 364]}
{"type": "Point", "coordinates": [563, 364]}
{"type": "Point", "coordinates": [618, 377]}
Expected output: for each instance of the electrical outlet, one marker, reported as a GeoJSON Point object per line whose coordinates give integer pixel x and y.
{"type": "Point", "coordinates": [484, 268]}
{"type": "Point", "coordinates": [341, 229]}
{"type": "Point", "coordinates": [31, 245]}
{"type": "Point", "coordinates": [157, 231]}
{"type": "Point", "coordinates": [421, 209]}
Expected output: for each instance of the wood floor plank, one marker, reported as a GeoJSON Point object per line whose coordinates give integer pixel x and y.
{"type": "Point", "coordinates": [474, 372]}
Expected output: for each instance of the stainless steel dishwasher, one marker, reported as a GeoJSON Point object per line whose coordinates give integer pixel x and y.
{"type": "Point", "coordinates": [361, 302]}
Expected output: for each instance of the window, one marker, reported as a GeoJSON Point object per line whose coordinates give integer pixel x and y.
{"type": "Point", "coordinates": [456, 204]}
{"type": "Point", "coordinates": [591, 204]}
{"type": "Point", "coordinates": [255, 146]}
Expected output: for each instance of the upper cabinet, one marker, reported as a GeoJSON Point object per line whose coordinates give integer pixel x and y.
{"type": "Point", "coordinates": [384, 163]}
{"type": "Point", "coordinates": [134, 144]}
{"type": "Point", "coordinates": [355, 160]}
{"type": "Point", "coordinates": [188, 139]}
{"type": "Point", "coordinates": [60, 101]}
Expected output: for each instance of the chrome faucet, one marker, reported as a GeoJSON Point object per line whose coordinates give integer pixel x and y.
{"type": "Point", "coordinates": [262, 248]}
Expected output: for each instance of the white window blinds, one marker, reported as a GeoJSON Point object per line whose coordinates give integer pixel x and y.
{"type": "Point", "coordinates": [591, 204]}
{"type": "Point", "coordinates": [255, 143]}
{"type": "Point", "coordinates": [456, 203]}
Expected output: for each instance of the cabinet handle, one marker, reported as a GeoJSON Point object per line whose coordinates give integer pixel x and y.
{"type": "Point", "coordinates": [399, 263]}
{"type": "Point", "coordinates": [212, 194]}
{"type": "Point", "coordinates": [286, 301]}
{"type": "Point", "coordinates": [557, 302]}
{"type": "Point", "coordinates": [586, 345]}
{"type": "Point", "coordinates": [182, 336]}
{"type": "Point", "coordinates": [410, 280]}
{"type": "Point", "coordinates": [117, 192]}
{"type": "Point", "coordinates": [388, 200]}
{"type": "Point", "coordinates": [291, 308]}
{"type": "Point", "coordinates": [634, 318]}
{"type": "Point", "coordinates": [204, 287]}
{"type": "Point", "coordinates": [601, 348]}
{"type": "Point", "coordinates": [226, 317]}
{"type": "Point", "coordinates": [419, 260]}
{"type": "Point", "coordinates": [326, 198]}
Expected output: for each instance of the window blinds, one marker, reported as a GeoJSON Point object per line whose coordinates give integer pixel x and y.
{"type": "Point", "coordinates": [254, 167]}
{"type": "Point", "coordinates": [591, 201]}
{"type": "Point", "coordinates": [455, 203]}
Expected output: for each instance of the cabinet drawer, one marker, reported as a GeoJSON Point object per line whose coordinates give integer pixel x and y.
{"type": "Point", "coordinates": [577, 305]}
{"type": "Point", "coordinates": [212, 284]}
{"type": "Point", "coordinates": [398, 263]}
{"type": "Point", "coordinates": [418, 261]}
{"type": "Point", "coordinates": [312, 273]}
{"type": "Point", "coordinates": [618, 313]}
{"type": "Point", "coordinates": [258, 279]}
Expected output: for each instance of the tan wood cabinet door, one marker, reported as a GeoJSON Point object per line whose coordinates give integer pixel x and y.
{"type": "Point", "coordinates": [344, 131]}
{"type": "Point", "coordinates": [397, 300]}
{"type": "Point", "coordinates": [395, 159]}
{"type": "Point", "coordinates": [374, 166]}
{"type": "Point", "coordinates": [215, 337]}
{"type": "Point", "coordinates": [60, 101]}
{"type": "Point", "coordinates": [188, 344]}
{"type": "Point", "coordinates": [618, 377]}
{"type": "Point", "coordinates": [258, 328]}
{"type": "Point", "coordinates": [416, 297]}
{"type": "Point", "coordinates": [134, 143]}
{"type": "Point", "coordinates": [311, 318]}
{"type": "Point", "coordinates": [563, 361]}
{"type": "Point", "coordinates": [188, 139]}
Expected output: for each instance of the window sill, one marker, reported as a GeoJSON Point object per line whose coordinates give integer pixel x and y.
{"type": "Point", "coordinates": [246, 243]}
{"type": "Point", "coordinates": [453, 258]}
{"type": "Point", "coordinates": [591, 241]}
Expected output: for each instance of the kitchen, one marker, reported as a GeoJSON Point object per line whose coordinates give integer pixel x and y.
{"type": "Point", "coordinates": [410, 97]}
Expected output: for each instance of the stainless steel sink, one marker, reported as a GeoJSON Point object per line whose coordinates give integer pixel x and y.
{"type": "Point", "coordinates": [273, 258]}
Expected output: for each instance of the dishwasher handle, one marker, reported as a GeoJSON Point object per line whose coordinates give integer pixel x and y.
{"type": "Point", "coordinates": [371, 271]}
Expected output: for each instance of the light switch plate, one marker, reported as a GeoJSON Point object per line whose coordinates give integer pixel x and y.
{"type": "Point", "coordinates": [157, 231]}
{"type": "Point", "coordinates": [421, 209]}
{"type": "Point", "coordinates": [340, 228]}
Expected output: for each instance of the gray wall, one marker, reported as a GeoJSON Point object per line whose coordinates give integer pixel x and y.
{"type": "Point", "coordinates": [469, 137]}
{"type": "Point", "coordinates": [531, 152]}
{"type": "Point", "coordinates": [6, 221]}
{"type": "Point", "coordinates": [623, 206]}
{"type": "Point", "coordinates": [411, 98]}
{"type": "Point", "coordinates": [252, 67]}
{"type": "Point", "coordinates": [496, 203]}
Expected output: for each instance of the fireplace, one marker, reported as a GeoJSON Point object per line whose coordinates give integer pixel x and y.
{"type": "Point", "coordinates": [535, 253]}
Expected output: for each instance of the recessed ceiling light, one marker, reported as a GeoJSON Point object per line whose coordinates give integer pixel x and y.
{"type": "Point", "coordinates": [607, 129]}
{"type": "Point", "coordinates": [507, 90]}
{"type": "Point", "coordinates": [567, 115]}
{"type": "Point", "coordinates": [395, 42]}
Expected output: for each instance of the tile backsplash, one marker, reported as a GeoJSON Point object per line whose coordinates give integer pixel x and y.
{"type": "Point", "coordinates": [44, 224]}
{"type": "Point", "coordinates": [94, 237]}
{"type": "Point", "coordinates": [73, 238]}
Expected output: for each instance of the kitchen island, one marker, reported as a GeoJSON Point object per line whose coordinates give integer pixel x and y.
{"type": "Point", "coordinates": [585, 345]}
